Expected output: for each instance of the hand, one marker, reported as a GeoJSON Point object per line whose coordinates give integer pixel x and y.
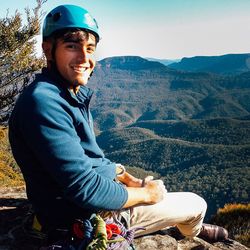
{"type": "Point", "coordinates": [152, 192]}
{"type": "Point", "coordinates": [146, 180]}
{"type": "Point", "coordinates": [155, 190]}
{"type": "Point", "coordinates": [128, 179]}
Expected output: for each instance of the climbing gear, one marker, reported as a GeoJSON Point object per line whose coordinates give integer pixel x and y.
{"type": "Point", "coordinates": [97, 233]}
{"type": "Point", "coordinates": [100, 235]}
{"type": "Point", "coordinates": [109, 234]}
{"type": "Point", "coordinates": [213, 233]}
{"type": "Point", "coordinates": [112, 229]}
{"type": "Point", "coordinates": [69, 16]}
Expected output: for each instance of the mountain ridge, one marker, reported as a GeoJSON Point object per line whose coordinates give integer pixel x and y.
{"type": "Point", "coordinates": [224, 64]}
{"type": "Point", "coordinates": [203, 118]}
{"type": "Point", "coordinates": [166, 62]}
{"type": "Point", "coordinates": [142, 93]}
{"type": "Point", "coordinates": [130, 63]}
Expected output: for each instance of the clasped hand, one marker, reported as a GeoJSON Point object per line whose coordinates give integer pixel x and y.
{"type": "Point", "coordinates": [154, 190]}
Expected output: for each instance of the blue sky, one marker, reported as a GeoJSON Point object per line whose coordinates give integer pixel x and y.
{"type": "Point", "coordinates": [167, 29]}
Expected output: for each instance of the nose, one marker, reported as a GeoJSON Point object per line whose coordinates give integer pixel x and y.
{"type": "Point", "coordinates": [83, 56]}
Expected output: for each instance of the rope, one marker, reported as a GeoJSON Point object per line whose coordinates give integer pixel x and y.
{"type": "Point", "coordinates": [100, 235]}
{"type": "Point", "coordinates": [101, 241]}
{"type": "Point", "coordinates": [97, 234]}
{"type": "Point", "coordinates": [85, 233]}
{"type": "Point", "coordinates": [125, 238]}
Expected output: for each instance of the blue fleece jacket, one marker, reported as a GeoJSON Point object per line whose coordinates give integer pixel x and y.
{"type": "Point", "coordinates": [52, 139]}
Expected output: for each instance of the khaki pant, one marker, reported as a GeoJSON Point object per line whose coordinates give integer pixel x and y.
{"type": "Point", "coordinates": [182, 209]}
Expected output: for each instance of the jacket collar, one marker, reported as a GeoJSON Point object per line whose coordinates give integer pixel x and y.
{"type": "Point", "coordinates": [82, 97]}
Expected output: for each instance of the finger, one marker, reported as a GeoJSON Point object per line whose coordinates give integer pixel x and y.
{"type": "Point", "coordinates": [159, 182]}
{"type": "Point", "coordinates": [146, 180]}
{"type": "Point", "coordinates": [149, 178]}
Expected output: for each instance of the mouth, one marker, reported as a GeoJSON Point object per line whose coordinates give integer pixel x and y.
{"type": "Point", "coordinates": [79, 69]}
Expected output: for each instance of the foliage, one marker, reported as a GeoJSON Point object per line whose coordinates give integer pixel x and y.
{"type": "Point", "coordinates": [236, 218]}
{"type": "Point", "coordinates": [191, 128]}
{"type": "Point", "coordinates": [17, 57]}
{"type": "Point", "coordinates": [141, 173]}
{"type": "Point", "coordinates": [140, 92]}
{"type": "Point", "coordinates": [226, 131]}
{"type": "Point", "coordinates": [216, 166]}
{"type": "Point", "coordinates": [9, 172]}
{"type": "Point", "coordinates": [217, 186]}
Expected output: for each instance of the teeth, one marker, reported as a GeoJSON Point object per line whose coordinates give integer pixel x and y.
{"type": "Point", "coordinates": [79, 68]}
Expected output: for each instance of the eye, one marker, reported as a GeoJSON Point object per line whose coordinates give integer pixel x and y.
{"type": "Point", "coordinates": [91, 50]}
{"type": "Point", "coordinates": [71, 46]}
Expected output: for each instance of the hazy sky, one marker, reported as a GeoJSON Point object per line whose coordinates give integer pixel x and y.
{"type": "Point", "coordinates": [167, 29]}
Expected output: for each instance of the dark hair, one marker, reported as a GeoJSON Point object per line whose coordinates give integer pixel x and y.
{"type": "Point", "coordinates": [68, 35]}
{"type": "Point", "coordinates": [71, 34]}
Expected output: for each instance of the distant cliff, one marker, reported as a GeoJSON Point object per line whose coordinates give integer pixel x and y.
{"type": "Point", "coordinates": [130, 63]}
{"type": "Point", "coordinates": [225, 64]}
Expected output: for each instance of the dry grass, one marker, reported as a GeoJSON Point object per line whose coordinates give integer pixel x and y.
{"type": "Point", "coordinates": [236, 218]}
{"type": "Point", "coordinates": [10, 175]}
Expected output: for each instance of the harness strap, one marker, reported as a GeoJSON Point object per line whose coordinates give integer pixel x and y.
{"type": "Point", "coordinates": [36, 225]}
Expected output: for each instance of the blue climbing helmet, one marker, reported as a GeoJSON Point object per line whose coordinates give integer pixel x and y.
{"type": "Point", "coordinates": [69, 16]}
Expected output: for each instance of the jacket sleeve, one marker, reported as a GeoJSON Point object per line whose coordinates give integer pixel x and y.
{"type": "Point", "coordinates": [49, 131]}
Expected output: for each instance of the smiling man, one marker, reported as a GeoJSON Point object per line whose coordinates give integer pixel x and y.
{"type": "Point", "coordinates": [73, 56]}
{"type": "Point", "coordinates": [52, 138]}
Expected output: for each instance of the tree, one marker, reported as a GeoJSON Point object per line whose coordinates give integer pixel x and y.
{"type": "Point", "coordinates": [17, 55]}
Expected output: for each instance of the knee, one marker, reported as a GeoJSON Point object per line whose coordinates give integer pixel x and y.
{"type": "Point", "coordinates": [198, 203]}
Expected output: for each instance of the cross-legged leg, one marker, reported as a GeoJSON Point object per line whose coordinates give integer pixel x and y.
{"type": "Point", "coordinates": [182, 209]}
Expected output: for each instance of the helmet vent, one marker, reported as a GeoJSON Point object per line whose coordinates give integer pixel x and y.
{"type": "Point", "coordinates": [69, 16]}
{"type": "Point", "coordinates": [57, 16]}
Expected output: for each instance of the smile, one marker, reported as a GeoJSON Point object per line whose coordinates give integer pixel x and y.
{"type": "Point", "coordinates": [79, 69]}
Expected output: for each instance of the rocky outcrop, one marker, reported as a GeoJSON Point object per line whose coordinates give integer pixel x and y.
{"type": "Point", "coordinates": [160, 242]}
{"type": "Point", "coordinates": [14, 207]}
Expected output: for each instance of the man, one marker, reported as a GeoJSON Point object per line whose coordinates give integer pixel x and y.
{"type": "Point", "coordinates": [52, 138]}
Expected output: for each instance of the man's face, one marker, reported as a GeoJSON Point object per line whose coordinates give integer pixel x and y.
{"type": "Point", "coordinates": [75, 59]}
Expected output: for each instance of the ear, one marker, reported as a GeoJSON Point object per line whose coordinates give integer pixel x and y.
{"type": "Point", "coordinates": [47, 49]}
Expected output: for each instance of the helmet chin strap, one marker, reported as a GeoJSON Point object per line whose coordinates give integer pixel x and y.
{"type": "Point", "coordinates": [54, 70]}
{"type": "Point", "coordinates": [92, 72]}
